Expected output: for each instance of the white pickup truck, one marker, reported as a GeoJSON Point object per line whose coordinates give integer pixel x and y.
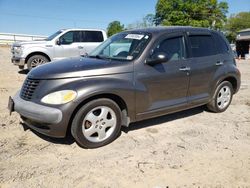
{"type": "Point", "coordinates": [62, 44]}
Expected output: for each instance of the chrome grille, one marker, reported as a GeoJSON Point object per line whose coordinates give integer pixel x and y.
{"type": "Point", "coordinates": [29, 88]}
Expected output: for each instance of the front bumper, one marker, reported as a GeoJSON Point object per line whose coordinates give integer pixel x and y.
{"type": "Point", "coordinates": [18, 61]}
{"type": "Point", "coordinates": [43, 119]}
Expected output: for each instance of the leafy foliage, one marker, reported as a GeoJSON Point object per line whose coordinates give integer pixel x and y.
{"type": "Point", "coordinates": [200, 13]}
{"type": "Point", "coordinates": [236, 23]}
{"type": "Point", "coordinates": [147, 21]}
{"type": "Point", "coordinates": [114, 27]}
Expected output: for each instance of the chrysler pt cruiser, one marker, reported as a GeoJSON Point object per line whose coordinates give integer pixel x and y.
{"type": "Point", "coordinates": [132, 76]}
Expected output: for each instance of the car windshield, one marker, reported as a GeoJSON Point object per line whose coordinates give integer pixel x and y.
{"type": "Point", "coordinates": [51, 37]}
{"type": "Point", "coordinates": [122, 46]}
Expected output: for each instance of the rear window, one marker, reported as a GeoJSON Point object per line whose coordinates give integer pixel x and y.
{"type": "Point", "coordinates": [202, 45]}
{"type": "Point", "coordinates": [221, 44]}
{"type": "Point", "coordinates": [92, 36]}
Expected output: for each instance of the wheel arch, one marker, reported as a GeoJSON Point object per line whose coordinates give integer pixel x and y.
{"type": "Point", "coordinates": [230, 78]}
{"type": "Point", "coordinates": [117, 99]}
{"type": "Point", "coordinates": [233, 81]}
{"type": "Point", "coordinates": [37, 53]}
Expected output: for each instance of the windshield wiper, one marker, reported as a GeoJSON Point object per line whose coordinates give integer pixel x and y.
{"type": "Point", "coordinates": [99, 56]}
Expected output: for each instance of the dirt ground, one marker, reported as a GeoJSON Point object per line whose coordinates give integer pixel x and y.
{"type": "Point", "coordinates": [194, 148]}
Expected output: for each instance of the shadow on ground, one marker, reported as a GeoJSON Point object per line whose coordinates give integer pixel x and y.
{"type": "Point", "coordinates": [23, 71]}
{"type": "Point", "coordinates": [163, 119]}
{"type": "Point", "coordinates": [68, 140]}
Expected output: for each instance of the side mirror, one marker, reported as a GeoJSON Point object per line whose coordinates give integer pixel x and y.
{"type": "Point", "coordinates": [157, 58]}
{"type": "Point", "coordinates": [58, 42]}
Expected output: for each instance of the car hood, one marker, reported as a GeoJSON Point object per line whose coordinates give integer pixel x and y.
{"type": "Point", "coordinates": [80, 67]}
{"type": "Point", "coordinates": [29, 42]}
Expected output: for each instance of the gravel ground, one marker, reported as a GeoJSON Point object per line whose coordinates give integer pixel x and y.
{"type": "Point", "coordinates": [193, 148]}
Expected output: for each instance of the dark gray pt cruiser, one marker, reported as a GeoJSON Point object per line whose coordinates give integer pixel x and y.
{"type": "Point", "coordinates": [132, 76]}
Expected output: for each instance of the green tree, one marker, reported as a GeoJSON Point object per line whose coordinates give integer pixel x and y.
{"type": "Point", "coordinates": [236, 23]}
{"type": "Point", "coordinates": [114, 27]}
{"type": "Point", "coordinates": [200, 13]}
{"type": "Point", "coordinates": [147, 21]}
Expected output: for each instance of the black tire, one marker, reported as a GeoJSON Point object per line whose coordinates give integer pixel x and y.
{"type": "Point", "coordinates": [21, 67]}
{"type": "Point", "coordinates": [215, 105]}
{"type": "Point", "coordinates": [80, 119]}
{"type": "Point", "coordinates": [36, 60]}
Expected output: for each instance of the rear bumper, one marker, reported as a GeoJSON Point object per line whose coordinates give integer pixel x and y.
{"type": "Point", "coordinates": [18, 61]}
{"type": "Point", "coordinates": [238, 78]}
{"type": "Point", "coordinates": [43, 119]}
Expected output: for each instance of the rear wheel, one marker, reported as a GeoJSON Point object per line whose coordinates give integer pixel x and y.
{"type": "Point", "coordinates": [97, 123]}
{"type": "Point", "coordinates": [222, 97]}
{"type": "Point", "coordinates": [36, 60]}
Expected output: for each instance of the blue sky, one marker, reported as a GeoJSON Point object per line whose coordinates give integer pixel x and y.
{"type": "Point", "coordinates": [44, 17]}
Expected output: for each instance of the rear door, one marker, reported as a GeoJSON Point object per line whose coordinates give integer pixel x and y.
{"type": "Point", "coordinates": [90, 40]}
{"type": "Point", "coordinates": [204, 62]}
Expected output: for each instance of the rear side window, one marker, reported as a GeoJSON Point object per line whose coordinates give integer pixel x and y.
{"type": "Point", "coordinates": [172, 47]}
{"type": "Point", "coordinates": [202, 45]}
{"type": "Point", "coordinates": [92, 36]}
{"type": "Point", "coordinates": [221, 44]}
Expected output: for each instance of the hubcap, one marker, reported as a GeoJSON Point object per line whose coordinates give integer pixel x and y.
{"type": "Point", "coordinates": [223, 97]}
{"type": "Point", "coordinates": [37, 61]}
{"type": "Point", "coordinates": [99, 124]}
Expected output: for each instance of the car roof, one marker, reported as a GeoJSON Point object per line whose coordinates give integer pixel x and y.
{"type": "Point", "coordinates": [166, 29]}
{"type": "Point", "coordinates": [83, 29]}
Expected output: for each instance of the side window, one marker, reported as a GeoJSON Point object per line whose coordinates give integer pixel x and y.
{"type": "Point", "coordinates": [202, 45]}
{"type": "Point", "coordinates": [221, 44]}
{"type": "Point", "coordinates": [70, 37]}
{"type": "Point", "coordinates": [172, 47]}
{"type": "Point", "coordinates": [92, 36]}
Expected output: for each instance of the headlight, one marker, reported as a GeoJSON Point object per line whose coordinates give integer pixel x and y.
{"type": "Point", "coordinates": [18, 49]}
{"type": "Point", "coordinates": [59, 97]}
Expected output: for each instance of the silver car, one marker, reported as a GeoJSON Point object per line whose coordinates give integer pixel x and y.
{"type": "Point", "coordinates": [62, 44]}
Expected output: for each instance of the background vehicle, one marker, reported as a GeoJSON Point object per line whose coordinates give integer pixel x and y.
{"type": "Point", "coordinates": [62, 44]}
{"type": "Point", "coordinates": [150, 73]}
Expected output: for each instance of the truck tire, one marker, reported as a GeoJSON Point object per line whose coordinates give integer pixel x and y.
{"type": "Point", "coordinates": [36, 60]}
{"type": "Point", "coordinates": [21, 67]}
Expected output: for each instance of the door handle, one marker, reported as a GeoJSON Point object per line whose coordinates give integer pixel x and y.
{"type": "Point", "coordinates": [184, 69]}
{"type": "Point", "coordinates": [80, 47]}
{"type": "Point", "coordinates": [219, 63]}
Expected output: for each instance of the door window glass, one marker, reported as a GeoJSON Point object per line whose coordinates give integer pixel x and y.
{"type": "Point", "coordinates": [92, 36]}
{"type": "Point", "coordinates": [172, 47]}
{"type": "Point", "coordinates": [202, 45]}
{"type": "Point", "coordinates": [70, 37]}
{"type": "Point", "coordinates": [220, 43]}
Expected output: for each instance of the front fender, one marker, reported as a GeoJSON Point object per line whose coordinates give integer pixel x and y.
{"type": "Point", "coordinates": [36, 49]}
{"type": "Point", "coordinates": [120, 85]}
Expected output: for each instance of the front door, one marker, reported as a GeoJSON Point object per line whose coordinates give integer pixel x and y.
{"type": "Point", "coordinates": [164, 86]}
{"type": "Point", "coordinates": [69, 45]}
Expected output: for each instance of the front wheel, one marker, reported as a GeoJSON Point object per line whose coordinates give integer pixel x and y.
{"type": "Point", "coordinates": [222, 97]}
{"type": "Point", "coordinates": [97, 123]}
{"type": "Point", "coordinates": [36, 60]}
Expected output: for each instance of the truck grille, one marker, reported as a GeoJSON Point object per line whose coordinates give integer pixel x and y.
{"type": "Point", "coordinates": [28, 89]}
